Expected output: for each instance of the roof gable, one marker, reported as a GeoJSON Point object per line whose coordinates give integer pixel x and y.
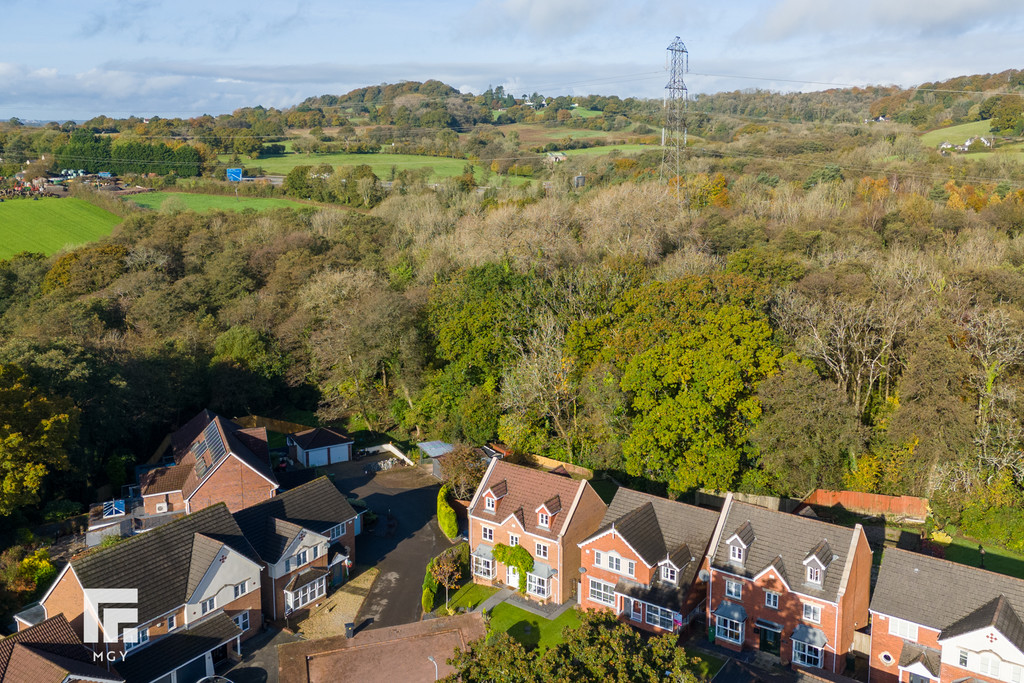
{"type": "Point", "coordinates": [996, 613]}
{"type": "Point", "coordinates": [272, 525]}
{"type": "Point", "coordinates": [44, 650]}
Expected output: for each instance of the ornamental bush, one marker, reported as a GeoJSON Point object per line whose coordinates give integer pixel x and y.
{"type": "Point", "coordinates": [446, 515]}
{"type": "Point", "coordinates": [518, 557]}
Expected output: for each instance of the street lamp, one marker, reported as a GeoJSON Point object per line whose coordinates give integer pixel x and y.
{"type": "Point", "coordinates": [434, 662]}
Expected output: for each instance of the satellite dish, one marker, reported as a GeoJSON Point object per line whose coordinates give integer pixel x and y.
{"type": "Point", "coordinates": [704, 575]}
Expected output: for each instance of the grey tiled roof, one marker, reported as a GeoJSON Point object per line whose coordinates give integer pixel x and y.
{"type": "Point", "coordinates": [790, 538]}
{"type": "Point", "coordinates": [177, 648]}
{"type": "Point", "coordinates": [942, 595]}
{"type": "Point", "coordinates": [204, 552]}
{"type": "Point", "coordinates": [929, 657]}
{"type": "Point", "coordinates": [35, 652]}
{"type": "Point", "coordinates": [271, 525]}
{"type": "Point", "coordinates": [320, 437]}
{"type": "Point", "coordinates": [658, 529]}
{"type": "Point", "coordinates": [159, 562]}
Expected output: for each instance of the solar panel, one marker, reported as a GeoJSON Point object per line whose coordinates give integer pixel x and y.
{"type": "Point", "coordinates": [113, 508]}
{"type": "Point", "coordinates": [214, 442]}
{"type": "Point", "coordinates": [201, 466]}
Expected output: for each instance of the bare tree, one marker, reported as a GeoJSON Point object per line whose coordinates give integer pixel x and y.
{"type": "Point", "coordinates": [996, 342]}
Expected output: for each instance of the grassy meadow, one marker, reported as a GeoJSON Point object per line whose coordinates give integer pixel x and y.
{"type": "Point", "coordinates": [955, 134]}
{"type": "Point", "coordinates": [380, 163]}
{"type": "Point", "coordinates": [207, 202]}
{"type": "Point", "coordinates": [49, 225]}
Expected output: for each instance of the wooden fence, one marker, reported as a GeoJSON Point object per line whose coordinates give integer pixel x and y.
{"type": "Point", "coordinates": [907, 507]}
{"type": "Point", "coordinates": [569, 467]}
{"type": "Point", "coordinates": [279, 426]}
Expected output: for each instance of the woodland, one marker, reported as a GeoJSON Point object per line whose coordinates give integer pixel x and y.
{"type": "Point", "coordinates": [816, 300]}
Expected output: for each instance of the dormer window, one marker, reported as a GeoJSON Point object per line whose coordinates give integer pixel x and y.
{"type": "Point", "coordinates": [814, 575]}
{"type": "Point", "coordinates": [736, 553]}
{"type": "Point", "coordinates": [543, 519]}
{"type": "Point", "coordinates": [489, 504]}
{"type": "Point", "coordinates": [669, 573]}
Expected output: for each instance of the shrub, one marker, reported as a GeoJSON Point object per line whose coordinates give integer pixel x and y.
{"type": "Point", "coordinates": [446, 518]}
{"type": "Point", "coordinates": [59, 510]}
{"type": "Point", "coordinates": [518, 557]}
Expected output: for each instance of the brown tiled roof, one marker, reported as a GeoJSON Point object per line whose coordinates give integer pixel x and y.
{"type": "Point", "coordinates": [774, 535]}
{"type": "Point", "coordinates": [39, 651]}
{"type": "Point", "coordinates": [305, 578]}
{"type": "Point", "coordinates": [525, 490]}
{"type": "Point", "coordinates": [929, 657]}
{"type": "Point", "coordinates": [553, 504]}
{"type": "Point", "coordinates": [247, 445]}
{"type": "Point", "coordinates": [941, 594]}
{"type": "Point", "coordinates": [499, 489]}
{"type": "Point", "coordinates": [321, 437]}
{"type": "Point", "coordinates": [159, 563]}
{"type": "Point", "coordinates": [658, 528]}
{"type": "Point", "coordinates": [177, 648]}
{"type": "Point", "coordinates": [271, 525]}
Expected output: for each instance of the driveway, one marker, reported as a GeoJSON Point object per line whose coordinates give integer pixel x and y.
{"type": "Point", "coordinates": [409, 495]}
{"type": "Point", "coordinates": [259, 660]}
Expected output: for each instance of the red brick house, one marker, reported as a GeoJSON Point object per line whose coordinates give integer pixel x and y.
{"type": "Point", "coordinates": [547, 514]}
{"type": "Point", "coordinates": [644, 562]}
{"type": "Point", "coordinates": [214, 461]}
{"type": "Point", "coordinates": [305, 538]}
{"type": "Point", "coordinates": [934, 620]}
{"type": "Point", "coordinates": [788, 585]}
{"type": "Point", "coordinates": [50, 652]}
{"type": "Point", "coordinates": [197, 582]}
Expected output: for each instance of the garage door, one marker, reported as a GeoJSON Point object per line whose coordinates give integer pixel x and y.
{"type": "Point", "coordinates": [193, 671]}
{"type": "Point", "coordinates": [317, 458]}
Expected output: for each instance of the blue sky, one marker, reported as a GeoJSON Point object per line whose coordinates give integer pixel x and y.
{"type": "Point", "coordinates": [187, 57]}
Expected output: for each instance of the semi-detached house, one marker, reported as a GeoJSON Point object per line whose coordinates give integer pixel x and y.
{"type": "Point", "coordinates": [788, 585]}
{"type": "Point", "coordinates": [547, 514]}
{"type": "Point", "coordinates": [197, 580]}
{"type": "Point", "coordinates": [933, 620]}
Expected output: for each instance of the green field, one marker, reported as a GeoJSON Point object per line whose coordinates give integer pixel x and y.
{"type": "Point", "coordinates": [49, 225]}
{"type": "Point", "coordinates": [955, 134]}
{"type": "Point", "coordinates": [587, 113]}
{"type": "Point", "coordinates": [380, 163]}
{"type": "Point", "coordinates": [598, 151]}
{"type": "Point", "coordinates": [206, 202]}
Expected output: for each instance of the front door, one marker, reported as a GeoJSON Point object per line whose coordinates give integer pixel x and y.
{"type": "Point", "coordinates": [770, 641]}
{"type": "Point", "coordinates": [512, 577]}
{"type": "Point", "coordinates": [637, 611]}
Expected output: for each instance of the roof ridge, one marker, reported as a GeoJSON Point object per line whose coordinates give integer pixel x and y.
{"type": "Point", "coordinates": [943, 560]}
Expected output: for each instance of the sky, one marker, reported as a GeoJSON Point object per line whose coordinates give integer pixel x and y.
{"type": "Point", "coordinates": [76, 60]}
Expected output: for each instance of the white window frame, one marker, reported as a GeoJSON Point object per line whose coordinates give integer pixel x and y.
{"type": "Point", "coordinates": [812, 612]}
{"type": "Point", "coordinates": [536, 585]}
{"type": "Point", "coordinates": [241, 589]}
{"type": "Point", "coordinates": [208, 605]}
{"type": "Point", "coordinates": [963, 659]}
{"type": "Point", "coordinates": [904, 629]}
{"type": "Point", "coordinates": [338, 531]}
{"type": "Point", "coordinates": [141, 638]}
{"type": "Point", "coordinates": [615, 563]}
{"type": "Point", "coordinates": [727, 629]}
{"type": "Point", "coordinates": [542, 551]}
{"type": "Point", "coordinates": [543, 519]}
{"type": "Point", "coordinates": [1016, 673]}
{"type": "Point", "coordinates": [814, 575]}
{"type": "Point", "coordinates": [736, 553]}
{"type": "Point", "coordinates": [605, 593]}
{"type": "Point", "coordinates": [513, 540]}
{"type": "Point", "coordinates": [598, 558]}
{"type": "Point", "coordinates": [483, 567]}
{"type": "Point", "coordinates": [771, 599]}
{"type": "Point", "coordinates": [311, 591]}
{"type": "Point", "coordinates": [487, 533]}
{"type": "Point", "coordinates": [489, 504]}
{"type": "Point", "coordinates": [660, 617]}
{"type": "Point", "coordinates": [988, 664]}
{"type": "Point", "coordinates": [808, 655]}
{"type": "Point", "coordinates": [172, 622]}
{"type": "Point", "coordinates": [669, 574]}
{"type": "Point", "coordinates": [733, 589]}
{"type": "Point", "coordinates": [240, 619]}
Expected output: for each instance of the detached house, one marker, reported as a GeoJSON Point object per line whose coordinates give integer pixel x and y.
{"type": "Point", "coordinates": [50, 652]}
{"type": "Point", "coordinates": [934, 620]}
{"type": "Point", "coordinates": [547, 514]}
{"type": "Point", "coordinates": [197, 582]}
{"type": "Point", "coordinates": [788, 585]}
{"type": "Point", "coordinates": [306, 539]}
{"type": "Point", "coordinates": [320, 446]}
{"type": "Point", "coordinates": [213, 461]}
{"type": "Point", "coordinates": [644, 561]}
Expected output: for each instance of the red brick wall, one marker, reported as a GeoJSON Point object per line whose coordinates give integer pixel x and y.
{"type": "Point", "coordinates": [853, 604]}
{"type": "Point", "coordinates": [559, 591]}
{"type": "Point", "coordinates": [789, 614]}
{"type": "Point", "coordinates": [882, 641]}
{"type": "Point", "coordinates": [66, 598]}
{"type": "Point", "coordinates": [586, 519]}
{"type": "Point", "coordinates": [233, 483]}
{"type": "Point", "coordinates": [175, 502]}
{"type": "Point", "coordinates": [252, 603]}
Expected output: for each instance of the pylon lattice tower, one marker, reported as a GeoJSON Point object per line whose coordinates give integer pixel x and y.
{"type": "Point", "coordinates": [676, 101]}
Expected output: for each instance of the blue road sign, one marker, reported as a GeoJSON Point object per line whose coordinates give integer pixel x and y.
{"type": "Point", "coordinates": [235, 175]}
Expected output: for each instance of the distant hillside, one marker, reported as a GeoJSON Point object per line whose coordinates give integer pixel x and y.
{"type": "Point", "coordinates": [382, 94]}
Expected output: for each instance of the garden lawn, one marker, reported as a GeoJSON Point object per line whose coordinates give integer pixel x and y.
{"type": "Point", "coordinates": [467, 597]}
{"type": "Point", "coordinates": [708, 666]}
{"type": "Point", "coordinates": [201, 203]}
{"type": "Point", "coordinates": [997, 559]}
{"type": "Point", "coordinates": [542, 633]}
{"type": "Point", "coordinates": [48, 225]}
